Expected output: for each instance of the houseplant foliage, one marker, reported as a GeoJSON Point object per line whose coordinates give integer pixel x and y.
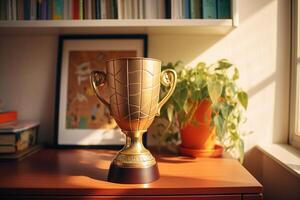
{"type": "Point", "coordinates": [217, 84]}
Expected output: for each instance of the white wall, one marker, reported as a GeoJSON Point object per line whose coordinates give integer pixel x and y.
{"type": "Point", "coordinates": [27, 78]}
{"type": "Point", "coordinates": [260, 47]}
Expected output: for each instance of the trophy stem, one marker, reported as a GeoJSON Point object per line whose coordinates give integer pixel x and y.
{"type": "Point", "coordinates": [134, 163]}
{"type": "Point", "coordinates": [134, 143]}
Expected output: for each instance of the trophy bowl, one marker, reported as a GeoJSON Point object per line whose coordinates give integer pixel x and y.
{"type": "Point", "coordinates": [134, 86]}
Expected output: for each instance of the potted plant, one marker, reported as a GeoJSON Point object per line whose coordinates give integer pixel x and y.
{"type": "Point", "coordinates": [207, 109]}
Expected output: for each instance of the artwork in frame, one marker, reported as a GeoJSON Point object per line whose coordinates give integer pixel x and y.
{"type": "Point", "coordinates": [81, 119]}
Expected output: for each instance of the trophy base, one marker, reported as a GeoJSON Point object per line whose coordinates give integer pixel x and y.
{"type": "Point", "coordinates": [119, 174]}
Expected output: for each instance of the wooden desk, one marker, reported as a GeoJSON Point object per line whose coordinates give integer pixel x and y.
{"type": "Point", "coordinates": [81, 174]}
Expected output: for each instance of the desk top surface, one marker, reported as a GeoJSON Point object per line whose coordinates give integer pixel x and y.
{"type": "Point", "coordinates": [84, 172]}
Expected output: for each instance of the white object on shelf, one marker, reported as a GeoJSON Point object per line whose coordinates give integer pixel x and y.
{"type": "Point", "coordinates": [235, 12]}
{"type": "Point", "coordinates": [116, 23]}
{"type": "Point", "coordinates": [151, 9]}
{"type": "Point", "coordinates": [176, 9]}
{"type": "Point", "coordinates": [121, 8]}
{"type": "Point", "coordinates": [141, 9]}
{"type": "Point", "coordinates": [174, 26]}
{"type": "Point", "coordinates": [103, 9]}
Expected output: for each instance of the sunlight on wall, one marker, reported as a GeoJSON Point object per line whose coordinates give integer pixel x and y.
{"type": "Point", "coordinates": [260, 49]}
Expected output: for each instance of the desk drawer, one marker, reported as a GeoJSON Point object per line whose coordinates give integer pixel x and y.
{"type": "Point", "coordinates": [179, 197]}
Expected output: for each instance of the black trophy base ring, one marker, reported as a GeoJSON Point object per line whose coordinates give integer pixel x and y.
{"type": "Point", "coordinates": [118, 174]}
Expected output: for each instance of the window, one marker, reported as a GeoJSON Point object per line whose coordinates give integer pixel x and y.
{"type": "Point", "coordinates": [295, 76]}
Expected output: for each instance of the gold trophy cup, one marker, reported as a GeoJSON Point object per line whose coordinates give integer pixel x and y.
{"type": "Point", "coordinates": [134, 85]}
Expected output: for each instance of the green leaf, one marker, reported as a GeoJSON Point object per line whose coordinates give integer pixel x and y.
{"type": "Point", "coordinates": [241, 150]}
{"type": "Point", "coordinates": [234, 137]}
{"type": "Point", "coordinates": [182, 97]}
{"type": "Point", "coordinates": [223, 64]}
{"type": "Point", "coordinates": [243, 98]}
{"type": "Point", "coordinates": [179, 62]}
{"type": "Point", "coordinates": [218, 121]}
{"type": "Point", "coordinates": [163, 111]}
{"type": "Point", "coordinates": [183, 73]}
{"type": "Point", "coordinates": [204, 93]}
{"type": "Point", "coordinates": [225, 111]}
{"type": "Point", "coordinates": [170, 112]}
{"type": "Point", "coordinates": [198, 80]}
{"type": "Point", "coordinates": [176, 105]}
{"type": "Point", "coordinates": [181, 117]}
{"type": "Point", "coordinates": [214, 90]}
{"type": "Point", "coordinates": [186, 107]}
{"type": "Point", "coordinates": [200, 65]}
{"type": "Point", "coordinates": [235, 74]}
{"type": "Point", "coordinates": [232, 127]}
{"type": "Point", "coordinates": [196, 95]}
{"type": "Point", "coordinates": [168, 66]}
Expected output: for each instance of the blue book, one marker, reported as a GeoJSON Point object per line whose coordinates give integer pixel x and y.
{"type": "Point", "coordinates": [44, 10]}
{"type": "Point", "coordinates": [209, 9]}
{"type": "Point", "coordinates": [98, 9]}
{"type": "Point", "coordinates": [58, 9]}
{"type": "Point", "coordinates": [224, 9]}
{"type": "Point", "coordinates": [27, 5]}
{"type": "Point", "coordinates": [186, 4]}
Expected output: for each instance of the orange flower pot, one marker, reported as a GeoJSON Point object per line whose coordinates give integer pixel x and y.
{"type": "Point", "coordinates": [200, 140]}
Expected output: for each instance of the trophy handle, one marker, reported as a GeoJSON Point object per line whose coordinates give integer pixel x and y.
{"type": "Point", "coordinates": [168, 79]}
{"type": "Point", "coordinates": [97, 79]}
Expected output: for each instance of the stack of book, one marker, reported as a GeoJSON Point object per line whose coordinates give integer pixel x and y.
{"type": "Point", "coordinates": [114, 9]}
{"type": "Point", "coordinates": [200, 9]}
{"type": "Point", "coordinates": [17, 138]}
{"type": "Point", "coordinates": [57, 9]}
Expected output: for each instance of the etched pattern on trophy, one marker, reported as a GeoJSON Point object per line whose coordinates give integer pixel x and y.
{"type": "Point", "coordinates": [134, 158]}
{"type": "Point", "coordinates": [134, 93]}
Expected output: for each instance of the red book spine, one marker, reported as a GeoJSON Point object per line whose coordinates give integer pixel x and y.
{"type": "Point", "coordinates": [8, 116]}
{"type": "Point", "coordinates": [75, 9]}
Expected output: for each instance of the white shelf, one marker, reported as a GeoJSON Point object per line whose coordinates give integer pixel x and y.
{"type": "Point", "coordinates": [118, 23]}
{"type": "Point", "coordinates": [178, 26]}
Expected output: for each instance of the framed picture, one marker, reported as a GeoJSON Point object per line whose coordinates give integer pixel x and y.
{"type": "Point", "coordinates": [81, 119]}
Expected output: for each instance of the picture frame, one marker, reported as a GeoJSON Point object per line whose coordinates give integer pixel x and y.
{"type": "Point", "coordinates": [81, 120]}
